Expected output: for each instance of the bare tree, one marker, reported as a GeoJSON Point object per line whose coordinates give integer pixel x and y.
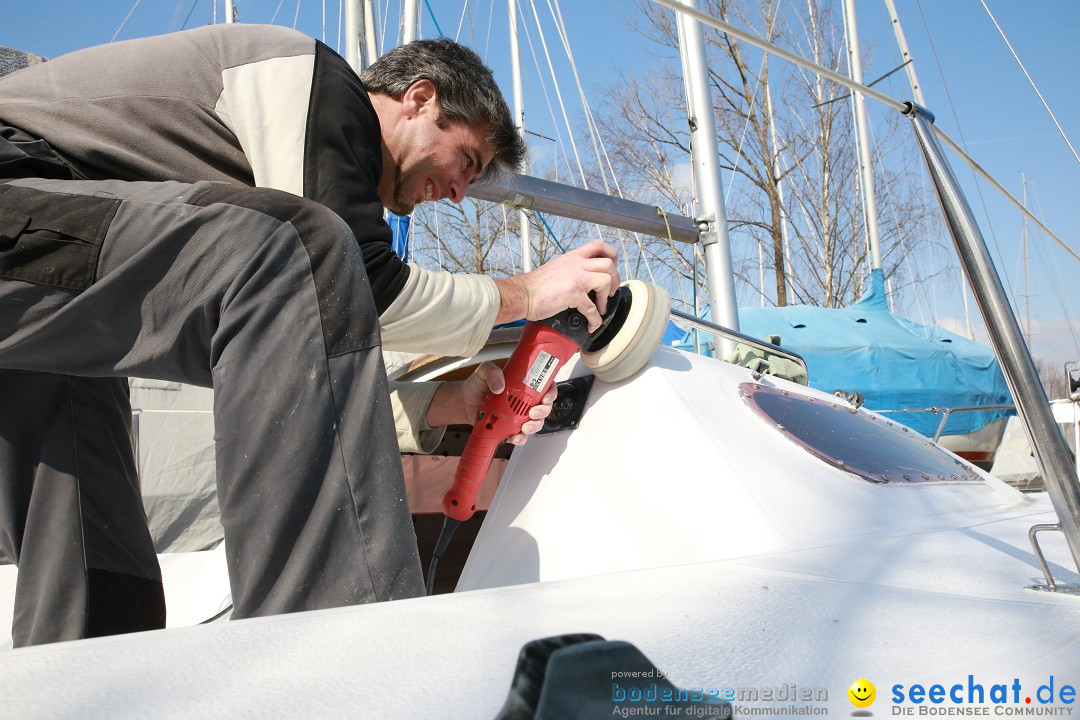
{"type": "Point", "coordinates": [786, 141]}
{"type": "Point", "coordinates": [473, 237]}
{"type": "Point", "coordinates": [1053, 377]}
{"type": "Point", "coordinates": [786, 137]}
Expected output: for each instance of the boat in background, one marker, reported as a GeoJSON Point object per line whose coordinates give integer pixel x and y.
{"type": "Point", "coordinates": [944, 386]}
{"type": "Point", "coordinates": [1015, 461]}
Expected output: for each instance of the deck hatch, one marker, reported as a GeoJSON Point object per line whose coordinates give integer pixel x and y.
{"type": "Point", "coordinates": [875, 449]}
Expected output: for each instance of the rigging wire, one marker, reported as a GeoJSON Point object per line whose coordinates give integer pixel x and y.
{"type": "Point", "coordinates": [433, 18]}
{"type": "Point", "coordinates": [596, 138]}
{"type": "Point", "coordinates": [960, 132]}
{"type": "Point", "coordinates": [126, 18]}
{"type": "Point", "coordinates": [385, 22]}
{"type": "Point", "coordinates": [189, 14]}
{"type": "Point", "coordinates": [558, 93]}
{"type": "Point", "coordinates": [860, 191]}
{"type": "Point", "coordinates": [561, 146]}
{"type": "Point", "coordinates": [464, 9]}
{"type": "Point", "coordinates": [296, 16]}
{"type": "Point", "coordinates": [868, 91]}
{"type": "Point", "coordinates": [487, 42]}
{"type": "Point", "coordinates": [1054, 271]}
{"type": "Point", "coordinates": [923, 185]}
{"type": "Point", "coordinates": [276, 10]}
{"type": "Point", "coordinates": [594, 133]}
{"type": "Point", "coordinates": [1030, 80]}
{"type": "Point", "coordinates": [340, 23]}
{"type": "Point", "coordinates": [176, 15]}
{"type": "Point", "coordinates": [561, 25]}
{"type": "Point", "coordinates": [742, 137]}
{"type": "Point", "coordinates": [561, 31]}
{"type": "Point", "coordinates": [551, 232]}
{"type": "Point", "coordinates": [562, 106]}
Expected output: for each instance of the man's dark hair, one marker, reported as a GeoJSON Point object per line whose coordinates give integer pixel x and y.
{"type": "Point", "coordinates": [465, 89]}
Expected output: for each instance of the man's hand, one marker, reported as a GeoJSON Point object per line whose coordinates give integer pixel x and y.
{"type": "Point", "coordinates": [456, 403]}
{"type": "Point", "coordinates": [561, 283]}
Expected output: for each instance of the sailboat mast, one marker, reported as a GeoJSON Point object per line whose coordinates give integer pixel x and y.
{"type": "Point", "coordinates": [229, 11]}
{"type": "Point", "coordinates": [905, 54]}
{"type": "Point", "coordinates": [1027, 285]}
{"type": "Point", "coordinates": [354, 24]}
{"type": "Point", "coordinates": [705, 159]}
{"type": "Point", "coordinates": [371, 43]}
{"type": "Point", "coordinates": [408, 21]}
{"type": "Point", "coordinates": [524, 232]}
{"type": "Point", "coordinates": [866, 168]}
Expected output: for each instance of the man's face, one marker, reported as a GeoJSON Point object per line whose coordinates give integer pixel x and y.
{"type": "Point", "coordinates": [433, 162]}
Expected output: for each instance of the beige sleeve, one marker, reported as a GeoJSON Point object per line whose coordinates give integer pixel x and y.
{"type": "Point", "coordinates": [410, 401]}
{"type": "Point", "coordinates": [258, 103]}
{"type": "Point", "coordinates": [440, 313]}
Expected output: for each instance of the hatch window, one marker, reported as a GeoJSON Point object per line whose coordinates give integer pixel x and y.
{"type": "Point", "coordinates": [875, 449]}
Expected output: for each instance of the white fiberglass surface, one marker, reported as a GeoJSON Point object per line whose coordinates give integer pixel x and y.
{"type": "Point", "coordinates": [766, 622]}
{"type": "Point", "coordinates": [196, 589]}
{"type": "Point", "coordinates": [672, 466]}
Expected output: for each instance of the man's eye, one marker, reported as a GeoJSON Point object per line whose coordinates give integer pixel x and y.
{"type": "Point", "coordinates": [468, 161]}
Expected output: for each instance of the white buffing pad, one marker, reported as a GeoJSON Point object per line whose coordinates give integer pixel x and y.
{"type": "Point", "coordinates": [639, 336]}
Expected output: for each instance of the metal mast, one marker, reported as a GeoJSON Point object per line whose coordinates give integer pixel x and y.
{"type": "Point", "coordinates": [705, 159]}
{"type": "Point", "coordinates": [354, 24]}
{"type": "Point", "coordinates": [525, 231]}
{"type": "Point", "coordinates": [866, 168]}
{"type": "Point", "coordinates": [909, 62]}
{"type": "Point", "coordinates": [408, 21]}
{"type": "Point", "coordinates": [1027, 285]}
{"type": "Point", "coordinates": [370, 42]}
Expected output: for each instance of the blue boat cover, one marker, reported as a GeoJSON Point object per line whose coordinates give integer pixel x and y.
{"type": "Point", "coordinates": [895, 363]}
{"type": "Point", "coordinates": [399, 226]}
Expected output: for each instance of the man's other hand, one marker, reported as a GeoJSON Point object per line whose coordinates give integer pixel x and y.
{"type": "Point", "coordinates": [456, 403]}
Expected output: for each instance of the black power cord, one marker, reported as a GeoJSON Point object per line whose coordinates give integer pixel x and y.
{"type": "Point", "coordinates": [448, 528]}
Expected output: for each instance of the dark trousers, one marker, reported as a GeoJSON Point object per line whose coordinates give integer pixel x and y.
{"type": "Point", "coordinates": [261, 295]}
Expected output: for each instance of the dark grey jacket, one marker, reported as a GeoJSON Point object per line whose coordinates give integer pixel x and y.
{"type": "Point", "coordinates": [247, 104]}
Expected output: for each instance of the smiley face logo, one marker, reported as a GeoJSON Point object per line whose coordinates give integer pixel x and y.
{"type": "Point", "coordinates": [862, 693]}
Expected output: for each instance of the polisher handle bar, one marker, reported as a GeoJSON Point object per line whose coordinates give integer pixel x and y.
{"type": "Point", "coordinates": [529, 373]}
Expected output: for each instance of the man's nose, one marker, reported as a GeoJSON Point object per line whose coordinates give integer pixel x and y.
{"type": "Point", "coordinates": [457, 189]}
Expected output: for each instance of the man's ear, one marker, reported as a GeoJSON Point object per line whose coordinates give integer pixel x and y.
{"type": "Point", "coordinates": [420, 95]}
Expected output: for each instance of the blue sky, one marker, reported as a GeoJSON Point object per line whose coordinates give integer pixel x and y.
{"type": "Point", "coordinates": [1003, 123]}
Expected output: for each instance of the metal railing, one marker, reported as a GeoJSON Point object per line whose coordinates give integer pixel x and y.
{"type": "Point", "coordinates": [737, 336]}
{"type": "Point", "coordinates": [947, 413]}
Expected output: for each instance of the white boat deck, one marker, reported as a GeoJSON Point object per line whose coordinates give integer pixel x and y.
{"type": "Point", "coordinates": [898, 610]}
{"type": "Point", "coordinates": [674, 518]}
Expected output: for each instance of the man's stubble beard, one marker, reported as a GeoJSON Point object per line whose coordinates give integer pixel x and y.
{"type": "Point", "coordinates": [403, 206]}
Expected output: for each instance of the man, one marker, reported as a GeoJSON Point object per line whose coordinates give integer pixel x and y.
{"type": "Point", "coordinates": [206, 207]}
